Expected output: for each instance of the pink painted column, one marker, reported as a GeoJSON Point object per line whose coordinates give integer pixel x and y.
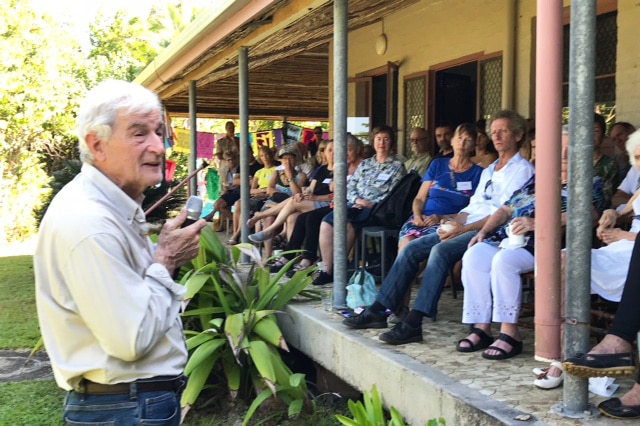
{"type": "Point", "coordinates": [548, 133]}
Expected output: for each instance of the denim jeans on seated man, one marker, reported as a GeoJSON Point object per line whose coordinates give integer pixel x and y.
{"type": "Point", "coordinates": [442, 256]}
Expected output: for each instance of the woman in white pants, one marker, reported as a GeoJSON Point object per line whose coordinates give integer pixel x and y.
{"type": "Point", "coordinates": [491, 269]}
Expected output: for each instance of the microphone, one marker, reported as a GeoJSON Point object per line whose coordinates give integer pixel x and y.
{"type": "Point", "coordinates": [194, 210]}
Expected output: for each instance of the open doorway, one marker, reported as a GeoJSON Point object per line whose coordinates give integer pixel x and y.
{"type": "Point", "coordinates": [376, 95]}
{"type": "Point", "coordinates": [456, 94]}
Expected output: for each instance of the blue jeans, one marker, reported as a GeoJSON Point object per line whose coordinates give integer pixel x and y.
{"type": "Point", "coordinates": [149, 408]}
{"type": "Point", "coordinates": [442, 256]}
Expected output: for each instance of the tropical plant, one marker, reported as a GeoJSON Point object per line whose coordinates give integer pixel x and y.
{"type": "Point", "coordinates": [371, 413]}
{"type": "Point", "coordinates": [232, 334]}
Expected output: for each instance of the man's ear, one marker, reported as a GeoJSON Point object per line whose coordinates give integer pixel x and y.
{"type": "Point", "coordinates": [96, 146]}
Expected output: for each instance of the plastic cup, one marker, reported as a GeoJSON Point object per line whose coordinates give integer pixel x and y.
{"type": "Point", "coordinates": [326, 296]}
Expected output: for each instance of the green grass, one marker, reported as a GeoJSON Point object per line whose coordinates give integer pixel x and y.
{"type": "Point", "coordinates": [18, 319]}
{"type": "Point", "coordinates": [30, 403]}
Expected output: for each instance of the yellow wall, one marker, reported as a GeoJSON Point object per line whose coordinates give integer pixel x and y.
{"type": "Point", "coordinates": [429, 33]}
{"type": "Point", "coordinates": [628, 63]}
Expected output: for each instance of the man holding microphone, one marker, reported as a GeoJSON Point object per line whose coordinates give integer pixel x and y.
{"type": "Point", "coordinates": [107, 304]}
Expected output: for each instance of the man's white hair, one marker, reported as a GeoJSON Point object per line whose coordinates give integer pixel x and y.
{"type": "Point", "coordinates": [102, 104]}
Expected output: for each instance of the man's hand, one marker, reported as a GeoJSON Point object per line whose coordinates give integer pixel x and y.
{"type": "Point", "coordinates": [457, 229]}
{"type": "Point", "coordinates": [177, 246]}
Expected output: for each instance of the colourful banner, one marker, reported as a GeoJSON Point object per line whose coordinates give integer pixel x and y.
{"type": "Point", "coordinates": [169, 170]}
{"type": "Point", "coordinates": [181, 143]}
{"type": "Point", "coordinates": [277, 137]}
{"type": "Point", "coordinates": [205, 144]}
{"type": "Point", "coordinates": [307, 136]}
{"type": "Point", "coordinates": [292, 133]}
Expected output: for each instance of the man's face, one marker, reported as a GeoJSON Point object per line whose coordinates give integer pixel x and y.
{"type": "Point", "coordinates": [132, 157]}
{"type": "Point", "coordinates": [619, 136]}
{"type": "Point", "coordinates": [443, 137]}
{"type": "Point", "coordinates": [503, 138]}
{"type": "Point", "coordinates": [230, 128]}
{"type": "Point", "coordinates": [418, 142]}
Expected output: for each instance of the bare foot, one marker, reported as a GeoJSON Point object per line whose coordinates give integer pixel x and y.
{"type": "Point", "coordinates": [252, 221]}
{"type": "Point", "coordinates": [632, 397]}
{"type": "Point", "coordinates": [554, 371]}
{"type": "Point", "coordinates": [498, 343]}
{"type": "Point", "coordinates": [611, 344]}
{"type": "Point", "coordinates": [479, 339]}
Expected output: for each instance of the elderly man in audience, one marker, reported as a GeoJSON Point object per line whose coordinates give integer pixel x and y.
{"type": "Point", "coordinates": [446, 247]}
{"type": "Point", "coordinates": [420, 158]}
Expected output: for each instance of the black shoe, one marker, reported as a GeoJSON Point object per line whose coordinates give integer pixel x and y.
{"type": "Point", "coordinates": [366, 319]}
{"type": "Point", "coordinates": [615, 409]}
{"type": "Point", "coordinates": [323, 278]}
{"type": "Point", "coordinates": [402, 334]}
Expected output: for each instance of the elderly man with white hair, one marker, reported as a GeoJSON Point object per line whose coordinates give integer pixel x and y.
{"type": "Point", "coordinates": [107, 304]}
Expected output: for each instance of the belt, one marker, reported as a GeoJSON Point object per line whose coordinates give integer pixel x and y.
{"type": "Point", "coordinates": [175, 384]}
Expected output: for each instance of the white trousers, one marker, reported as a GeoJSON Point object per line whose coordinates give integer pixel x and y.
{"type": "Point", "coordinates": [492, 284]}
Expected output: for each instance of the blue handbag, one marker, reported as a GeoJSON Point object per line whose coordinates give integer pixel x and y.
{"type": "Point", "coordinates": [361, 290]}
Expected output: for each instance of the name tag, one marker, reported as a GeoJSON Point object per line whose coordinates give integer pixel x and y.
{"type": "Point", "coordinates": [463, 186]}
{"type": "Point", "coordinates": [327, 181]}
{"type": "Point", "coordinates": [564, 193]}
{"type": "Point", "coordinates": [382, 177]}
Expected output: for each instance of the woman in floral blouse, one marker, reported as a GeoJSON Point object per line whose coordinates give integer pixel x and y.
{"type": "Point", "coordinates": [372, 181]}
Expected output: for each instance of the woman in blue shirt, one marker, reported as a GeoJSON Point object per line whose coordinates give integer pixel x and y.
{"type": "Point", "coordinates": [446, 187]}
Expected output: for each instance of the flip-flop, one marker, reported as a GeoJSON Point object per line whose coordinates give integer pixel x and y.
{"type": "Point", "coordinates": [485, 341]}
{"type": "Point", "coordinates": [600, 365]}
{"type": "Point", "coordinates": [615, 409]}
{"type": "Point", "coordinates": [516, 348]}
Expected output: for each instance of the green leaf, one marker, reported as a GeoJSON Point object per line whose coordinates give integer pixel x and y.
{"type": "Point", "coordinates": [198, 339]}
{"type": "Point", "coordinates": [202, 354]}
{"type": "Point", "coordinates": [347, 421]}
{"type": "Point", "coordinates": [261, 357]}
{"type": "Point", "coordinates": [194, 284]}
{"type": "Point", "coordinates": [234, 329]}
{"type": "Point", "coordinates": [267, 328]}
{"type": "Point", "coordinates": [262, 397]}
{"type": "Point", "coordinates": [200, 311]}
{"type": "Point", "coordinates": [296, 407]}
{"type": "Point", "coordinates": [196, 381]}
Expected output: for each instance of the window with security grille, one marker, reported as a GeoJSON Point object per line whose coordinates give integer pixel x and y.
{"type": "Point", "coordinates": [415, 90]}
{"type": "Point", "coordinates": [490, 87]}
{"type": "Point", "coordinates": [605, 66]}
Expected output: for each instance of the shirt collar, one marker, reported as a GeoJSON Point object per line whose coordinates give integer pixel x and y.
{"type": "Point", "coordinates": [126, 206]}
